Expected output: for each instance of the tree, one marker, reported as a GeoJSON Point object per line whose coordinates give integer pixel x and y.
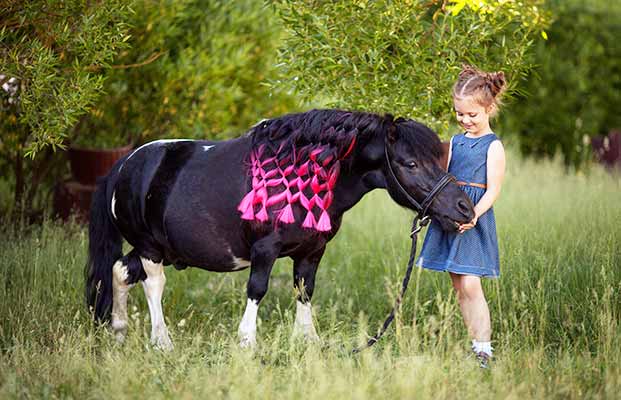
{"type": "Point", "coordinates": [51, 55]}
{"type": "Point", "coordinates": [402, 57]}
{"type": "Point", "coordinates": [575, 92]}
{"type": "Point", "coordinates": [201, 67]}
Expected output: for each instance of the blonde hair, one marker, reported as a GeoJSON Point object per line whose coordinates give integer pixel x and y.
{"type": "Point", "coordinates": [486, 88]}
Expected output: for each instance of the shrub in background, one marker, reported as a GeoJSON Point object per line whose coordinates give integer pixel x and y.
{"type": "Point", "coordinates": [575, 91]}
{"type": "Point", "coordinates": [403, 57]}
{"type": "Point", "coordinates": [196, 69]}
{"type": "Point", "coordinates": [51, 59]}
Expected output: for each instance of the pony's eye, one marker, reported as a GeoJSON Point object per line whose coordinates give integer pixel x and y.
{"type": "Point", "coordinates": [412, 164]}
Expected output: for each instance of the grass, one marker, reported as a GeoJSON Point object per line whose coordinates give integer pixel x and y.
{"type": "Point", "coordinates": [555, 311]}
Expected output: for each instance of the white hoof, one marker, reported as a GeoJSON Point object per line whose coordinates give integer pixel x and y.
{"type": "Point", "coordinates": [303, 325]}
{"type": "Point", "coordinates": [247, 340]}
{"type": "Point", "coordinates": [162, 341]}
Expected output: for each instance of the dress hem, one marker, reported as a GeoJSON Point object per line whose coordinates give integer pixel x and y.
{"type": "Point", "coordinates": [455, 268]}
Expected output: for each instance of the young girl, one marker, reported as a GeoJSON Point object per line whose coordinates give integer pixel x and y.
{"type": "Point", "coordinates": [477, 160]}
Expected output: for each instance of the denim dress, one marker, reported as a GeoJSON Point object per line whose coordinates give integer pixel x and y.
{"type": "Point", "coordinates": [474, 252]}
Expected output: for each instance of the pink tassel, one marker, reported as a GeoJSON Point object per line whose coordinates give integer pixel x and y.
{"type": "Point", "coordinates": [262, 215]}
{"type": "Point", "coordinates": [351, 147]}
{"type": "Point", "coordinates": [270, 174]}
{"type": "Point", "coordinates": [303, 170]}
{"type": "Point", "coordinates": [288, 170]}
{"type": "Point", "coordinates": [324, 223]}
{"type": "Point", "coordinates": [327, 200]}
{"type": "Point", "coordinates": [248, 214]}
{"type": "Point", "coordinates": [276, 199]}
{"type": "Point", "coordinates": [246, 202]}
{"type": "Point", "coordinates": [286, 215]}
{"type": "Point", "coordinates": [309, 221]}
{"type": "Point", "coordinates": [334, 174]}
{"type": "Point", "coordinates": [315, 184]}
{"type": "Point", "coordinates": [302, 184]}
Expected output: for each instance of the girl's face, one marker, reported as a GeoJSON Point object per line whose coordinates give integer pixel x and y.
{"type": "Point", "coordinates": [473, 117]}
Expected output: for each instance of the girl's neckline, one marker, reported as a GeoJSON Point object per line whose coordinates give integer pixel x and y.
{"type": "Point", "coordinates": [478, 137]}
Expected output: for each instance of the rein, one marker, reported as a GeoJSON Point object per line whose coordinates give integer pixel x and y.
{"type": "Point", "coordinates": [421, 220]}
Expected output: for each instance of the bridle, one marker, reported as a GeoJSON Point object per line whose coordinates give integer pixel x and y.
{"type": "Point", "coordinates": [421, 220]}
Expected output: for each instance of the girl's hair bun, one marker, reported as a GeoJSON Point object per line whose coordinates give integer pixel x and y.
{"type": "Point", "coordinates": [497, 82]}
{"type": "Point", "coordinates": [467, 72]}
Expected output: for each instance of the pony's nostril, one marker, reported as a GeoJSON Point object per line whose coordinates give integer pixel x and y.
{"type": "Point", "coordinates": [462, 205]}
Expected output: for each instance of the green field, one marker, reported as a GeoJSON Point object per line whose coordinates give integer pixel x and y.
{"type": "Point", "coordinates": [556, 312]}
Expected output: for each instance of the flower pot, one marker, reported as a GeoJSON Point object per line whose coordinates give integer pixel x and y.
{"type": "Point", "coordinates": [89, 164]}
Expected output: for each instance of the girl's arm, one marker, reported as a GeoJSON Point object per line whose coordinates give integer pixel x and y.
{"type": "Point", "coordinates": [495, 176]}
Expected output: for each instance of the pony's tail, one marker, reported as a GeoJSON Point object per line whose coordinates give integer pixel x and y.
{"type": "Point", "coordinates": [104, 249]}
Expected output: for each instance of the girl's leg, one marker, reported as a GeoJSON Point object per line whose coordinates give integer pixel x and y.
{"type": "Point", "coordinates": [473, 306]}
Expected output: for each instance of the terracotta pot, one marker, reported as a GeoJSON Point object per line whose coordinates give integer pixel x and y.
{"type": "Point", "coordinates": [89, 164]}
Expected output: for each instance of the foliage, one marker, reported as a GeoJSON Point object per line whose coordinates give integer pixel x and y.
{"type": "Point", "coordinates": [191, 68]}
{"type": "Point", "coordinates": [55, 50]}
{"type": "Point", "coordinates": [575, 92]}
{"type": "Point", "coordinates": [195, 70]}
{"type": "Point", "coordinates": [402, 57]}
{"type": "Point", "coordinates": [555, 311]}
{"type": "Point", "coordinates": [51, 55]}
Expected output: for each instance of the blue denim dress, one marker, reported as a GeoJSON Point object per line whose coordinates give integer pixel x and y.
{"type": "Point", "coordinates": [474, 252]}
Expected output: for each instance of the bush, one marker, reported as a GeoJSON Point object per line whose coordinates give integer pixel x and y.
{"type": "Point", "coordinates": [403, 57]}
{"type": "Point", "coordinates": [51, 57]}
{"type": "Point", "coordinates": [195, 70]}
{"type": "Point", "coordinates": [575, 92]}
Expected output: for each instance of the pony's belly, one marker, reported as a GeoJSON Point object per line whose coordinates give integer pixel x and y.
{"type": "Point", "coordinates": [221, 259]}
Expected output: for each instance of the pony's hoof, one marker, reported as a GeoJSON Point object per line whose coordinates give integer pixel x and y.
{"type": "Point", "coordinates": [247, 341]}
{"type": "Point", "coordinates": [162, 342]}
{"type": "Point", "coordinates": [306, 332]}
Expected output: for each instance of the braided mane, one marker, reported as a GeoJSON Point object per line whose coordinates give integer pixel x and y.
{"type": "Point", "coordinates": [296, 159]}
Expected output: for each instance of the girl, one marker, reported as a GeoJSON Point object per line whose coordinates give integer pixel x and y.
{"type": "Point", "coordinates": [477, 159]}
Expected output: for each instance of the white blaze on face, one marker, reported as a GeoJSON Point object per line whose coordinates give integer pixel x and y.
{"type": "Point", "coordinates": [248, 327]}
{"type": "Point", "coordinates": [113, 203]}
{"type": "Point", "coordinates": [206, 148]}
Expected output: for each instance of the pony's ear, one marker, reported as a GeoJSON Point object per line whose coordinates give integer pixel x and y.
{"type": "Point", "coordinates": [393, 132]}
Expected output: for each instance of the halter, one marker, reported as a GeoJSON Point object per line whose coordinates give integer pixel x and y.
{"type": "Point", "coordinates": [421, 219]}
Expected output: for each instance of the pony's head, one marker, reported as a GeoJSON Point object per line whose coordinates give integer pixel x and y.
{"type": "Point", "coordinates": [414, 152]}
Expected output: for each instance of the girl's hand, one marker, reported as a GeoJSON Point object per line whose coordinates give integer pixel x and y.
{"type": "Point", "coordinates": [469, 225]}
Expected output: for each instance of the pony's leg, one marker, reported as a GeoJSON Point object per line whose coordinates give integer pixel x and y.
{"type": "Point", "coordinates": [304, 271]}
{"type": "Point", "coordinates": [153, 288]}
{"type": "Point", "coordinates": [120, 291]}
{"type": "Point", "coordinates": [263, 254]}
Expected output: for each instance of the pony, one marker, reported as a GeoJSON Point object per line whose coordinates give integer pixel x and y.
{"type": "Point", "coordinates": [280, 190]}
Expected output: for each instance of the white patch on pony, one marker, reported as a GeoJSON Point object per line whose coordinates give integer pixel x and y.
{"type": "Point", "coordinates": [303, 325]}
{"type": "Point", "coordinates": [157, 142]}
{"type": "Point", "coordinates": [153, 289]}
{"type": "Point", "coordinates": [248, 327]}
{"type": "Point", "coordinates": [120, 291]}
{"type": "Point", "coordinates": [112, 204]}
{"type": "Point", "coordinates": [206, 148]}
{"type": "Point", "coordinates": [240, 263]}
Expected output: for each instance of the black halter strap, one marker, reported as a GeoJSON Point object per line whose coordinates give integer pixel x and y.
{"type": "Point", "coordinates": [420, 220]}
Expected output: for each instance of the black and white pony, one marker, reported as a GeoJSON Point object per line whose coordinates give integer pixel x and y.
{"type": "Point", "coordinates": [278, 191]}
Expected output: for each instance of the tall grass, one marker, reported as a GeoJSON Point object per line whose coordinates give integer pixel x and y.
{"type": "Point", "coordinates": [555, 310]}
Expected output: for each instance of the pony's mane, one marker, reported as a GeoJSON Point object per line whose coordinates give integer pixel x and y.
{"type": "Point", "coordinates": [296, 159]}
{"type": "Point", "coordinates": [420, 137]}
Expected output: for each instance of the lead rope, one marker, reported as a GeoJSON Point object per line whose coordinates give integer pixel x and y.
{"type": "Point", "coordinates": [417, 225]}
